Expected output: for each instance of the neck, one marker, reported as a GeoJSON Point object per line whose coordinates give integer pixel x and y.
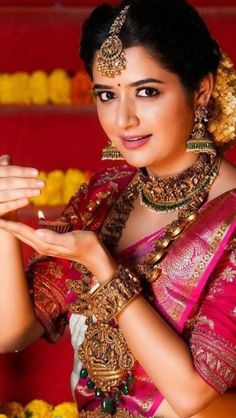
{"type": "Point", "coordinates": [172, 167]}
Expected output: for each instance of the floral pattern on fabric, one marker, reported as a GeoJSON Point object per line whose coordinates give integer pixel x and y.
{"type": "Point", "coordinates": [213, 337]}
{"type": "Point", "coordinates": [171, 295]}
{"type": "Point", "coordinates": [46, 278]}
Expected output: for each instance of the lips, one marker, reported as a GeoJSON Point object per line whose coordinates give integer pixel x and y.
{"type": "Point", "coordinates": [134, 142]}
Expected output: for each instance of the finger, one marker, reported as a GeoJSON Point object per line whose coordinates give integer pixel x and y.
{"type": "Point", "coordinates": [13, 195]}
{"type": "Point", "coordinates": [7, 183]}
{"type": "Point", "coordinates": [13, 205]}
{"type": "Point", "coordinates": [25, 240]}
{"type": "Point", "coordinates": [17, 171]}
{"type": "Point", "coordinates": [38, 246]}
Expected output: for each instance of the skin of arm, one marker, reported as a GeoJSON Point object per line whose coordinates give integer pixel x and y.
{"type": "Point", "coordinates": [18, 325]}
{"type": "Point", "coordinates": [168, 355]}
{"type": "Point", "coordinates": [169, 361]}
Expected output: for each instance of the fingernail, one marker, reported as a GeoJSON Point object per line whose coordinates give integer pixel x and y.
{"type": "Point", "coordinates": [40, 183]}
{"type": "Point", "coordinates": [34, 172]}
{"type": "Point", "coordinates": [40, 233]}
{"type": "Point", "coordinates": [35, 192]}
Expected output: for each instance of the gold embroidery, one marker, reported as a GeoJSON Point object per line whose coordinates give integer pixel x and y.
{"type": "Point", "coordinates": [214, 358]}
{"type": "Point", "coordinates": [113, 174]}
{"type": "Point", "coordinates": [48, 292]}
{"type": "Point", "coordinates": [120, 413]}
{"type": "Point", "coordinates": [203, 320]}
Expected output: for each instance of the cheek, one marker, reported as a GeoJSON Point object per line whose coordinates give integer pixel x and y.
{"type": "Point", "coordinates": [105, 118]}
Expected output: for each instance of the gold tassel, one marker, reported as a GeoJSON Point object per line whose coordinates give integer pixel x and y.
{"type": "Point", "coordinates": [110, 152]}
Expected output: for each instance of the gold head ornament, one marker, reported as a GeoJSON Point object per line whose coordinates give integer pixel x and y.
{"type": "Point", "coordinates": [111, 56]}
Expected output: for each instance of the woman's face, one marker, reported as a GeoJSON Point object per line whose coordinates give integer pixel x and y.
{"type": "Point", "coordinates": [146, 113]}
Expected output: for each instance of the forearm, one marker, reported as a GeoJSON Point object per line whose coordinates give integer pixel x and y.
{"type": "Point", "coordinates": [169, 362]}
{"type": "Point", "coordinates": [164, 355]}
{"type": "Point", "coordinates": [16, 312]}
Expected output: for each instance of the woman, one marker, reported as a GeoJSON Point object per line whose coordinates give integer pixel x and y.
{"type": "Point", "coordinates": [148, 272]}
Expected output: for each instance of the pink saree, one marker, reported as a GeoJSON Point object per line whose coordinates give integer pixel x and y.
{"type": "Point", "coordinates": [195, 294]}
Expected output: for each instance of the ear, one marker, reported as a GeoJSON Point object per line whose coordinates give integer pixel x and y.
{"type": "Point", "coordinates": [204, 90]}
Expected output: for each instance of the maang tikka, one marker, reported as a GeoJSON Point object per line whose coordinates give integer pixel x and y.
{"type": "Point", "coordinates": [111, 56]}
{"type": "Point", "coordinates": [200, 140]}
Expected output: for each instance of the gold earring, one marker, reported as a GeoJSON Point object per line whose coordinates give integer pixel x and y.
{"type": "Point", "coordinates": [200, 140]}
{"type": "Point", "coordinates": [110, 152]}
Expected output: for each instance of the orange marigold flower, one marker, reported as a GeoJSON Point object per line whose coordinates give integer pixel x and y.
{"type": "Point", "coordinates": [81, 88]}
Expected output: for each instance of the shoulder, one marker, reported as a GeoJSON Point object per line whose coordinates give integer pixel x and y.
{"type": "Point", "coordinates": [121, 174]}
{"type": "Point", "coordinates": [97, 195]}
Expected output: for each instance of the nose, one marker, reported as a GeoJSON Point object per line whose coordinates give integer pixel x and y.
{"type": "Point", "coordinates": [126, 116]}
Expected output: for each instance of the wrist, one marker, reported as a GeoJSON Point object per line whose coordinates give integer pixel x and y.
{"type": "Point", "coordinates": [103, 266]}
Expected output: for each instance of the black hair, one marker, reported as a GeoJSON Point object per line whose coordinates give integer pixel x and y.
{"type": "Point", "coordinates": [172, 30]}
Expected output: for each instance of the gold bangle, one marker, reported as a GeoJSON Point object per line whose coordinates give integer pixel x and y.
{"type": "Point", "coordinates": [113, 296]}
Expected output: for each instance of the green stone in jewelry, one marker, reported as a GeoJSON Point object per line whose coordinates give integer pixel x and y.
{"type": "Point", "coordinates": [117, 397]}
{"type": "Point", "coordinates": [108, 405]}
{"type": "Point", "coordinates": [91, 384]}
{"type": "Point", "coordinates": [98, 393]}
{"type": "Point", "coordinates": [125, 389]}
{"type": "Point", "coordinates": [83, 373]}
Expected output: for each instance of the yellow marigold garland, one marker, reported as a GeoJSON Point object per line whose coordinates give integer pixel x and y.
{"type": "Point", "coordinates": [38, 409]}
{"type": "Point", "coordinates": [222, 123]}
{"type": "Point", "coordinates": [65, 410]}
{"type": "Point", "coordinates": [40, 88]}
{"type": "Point", "coordinates": [6, 89]}
{"type": "Point", "coordinates": [60, 186]}
{"type": "Point", "coordinates": [59, 87]}
{"type": "Point", "coordinates": [20, 85]}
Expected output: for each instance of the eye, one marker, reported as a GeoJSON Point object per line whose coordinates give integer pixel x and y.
{"type": "Point", "coordinates": [147, 92]}
{"type": "Point", "coordinates": [105, 96]}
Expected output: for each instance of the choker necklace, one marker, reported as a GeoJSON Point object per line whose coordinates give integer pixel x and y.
{"type": "Point", "coordinates": [185, 191]}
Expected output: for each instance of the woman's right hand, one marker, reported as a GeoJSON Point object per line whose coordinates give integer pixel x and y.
{"type": "Point", "coordinates": [17, 185]}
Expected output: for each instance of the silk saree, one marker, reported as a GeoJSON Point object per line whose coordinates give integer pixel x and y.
{"type": "Point", "coordinates": [195, 293]}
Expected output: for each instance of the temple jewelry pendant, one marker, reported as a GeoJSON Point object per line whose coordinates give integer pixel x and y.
{"type": "Point", "coordinates": [105, 355]}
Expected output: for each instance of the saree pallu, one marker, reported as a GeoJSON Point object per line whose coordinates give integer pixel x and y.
{"type": "Point", "coordinates": [195, 292]}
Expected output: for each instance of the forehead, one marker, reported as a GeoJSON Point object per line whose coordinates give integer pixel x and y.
{"type": "Point", "coordinates": [140, 64]}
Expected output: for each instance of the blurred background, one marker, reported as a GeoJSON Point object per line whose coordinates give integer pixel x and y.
{"type": "Point", "coordinates": [47, 120]}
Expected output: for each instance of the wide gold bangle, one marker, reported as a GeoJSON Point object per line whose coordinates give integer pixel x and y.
{"type": "Point", "coordinates": [113, 296]}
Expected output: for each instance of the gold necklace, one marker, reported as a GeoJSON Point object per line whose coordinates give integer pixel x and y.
{"type": "Point", "coordinates": [180, 191]}
{"type": "Point", "coordinates": [197, 179]}
{"type": "Point", "coordinates": [107, 361]}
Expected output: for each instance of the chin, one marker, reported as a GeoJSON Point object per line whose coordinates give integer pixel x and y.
{"type": "Point", "coordinates": [137, 161]}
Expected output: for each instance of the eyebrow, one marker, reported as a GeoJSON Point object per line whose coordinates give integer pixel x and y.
{"type": "Point", "coordinates": [133, 84]}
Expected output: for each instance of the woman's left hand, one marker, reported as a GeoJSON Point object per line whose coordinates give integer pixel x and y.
{"type": "Point", "coordinates": [81, 246]}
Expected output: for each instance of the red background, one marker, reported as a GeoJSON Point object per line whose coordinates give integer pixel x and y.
{"type": "Point", "coordinates": [60, 137]}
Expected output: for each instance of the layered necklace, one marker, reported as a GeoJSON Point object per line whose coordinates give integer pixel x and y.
{"type": "Point", "coordinates": [185, 192]}
{"type": "Point", "coordinates": [107, 360]}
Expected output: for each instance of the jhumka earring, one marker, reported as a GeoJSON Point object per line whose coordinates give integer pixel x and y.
{"type": "Point", "coordinates": [200, 140]}
{"type": "Point", "coordinates": [111, 56]}
{"type": "Point", "coordinates": [110, 152]}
